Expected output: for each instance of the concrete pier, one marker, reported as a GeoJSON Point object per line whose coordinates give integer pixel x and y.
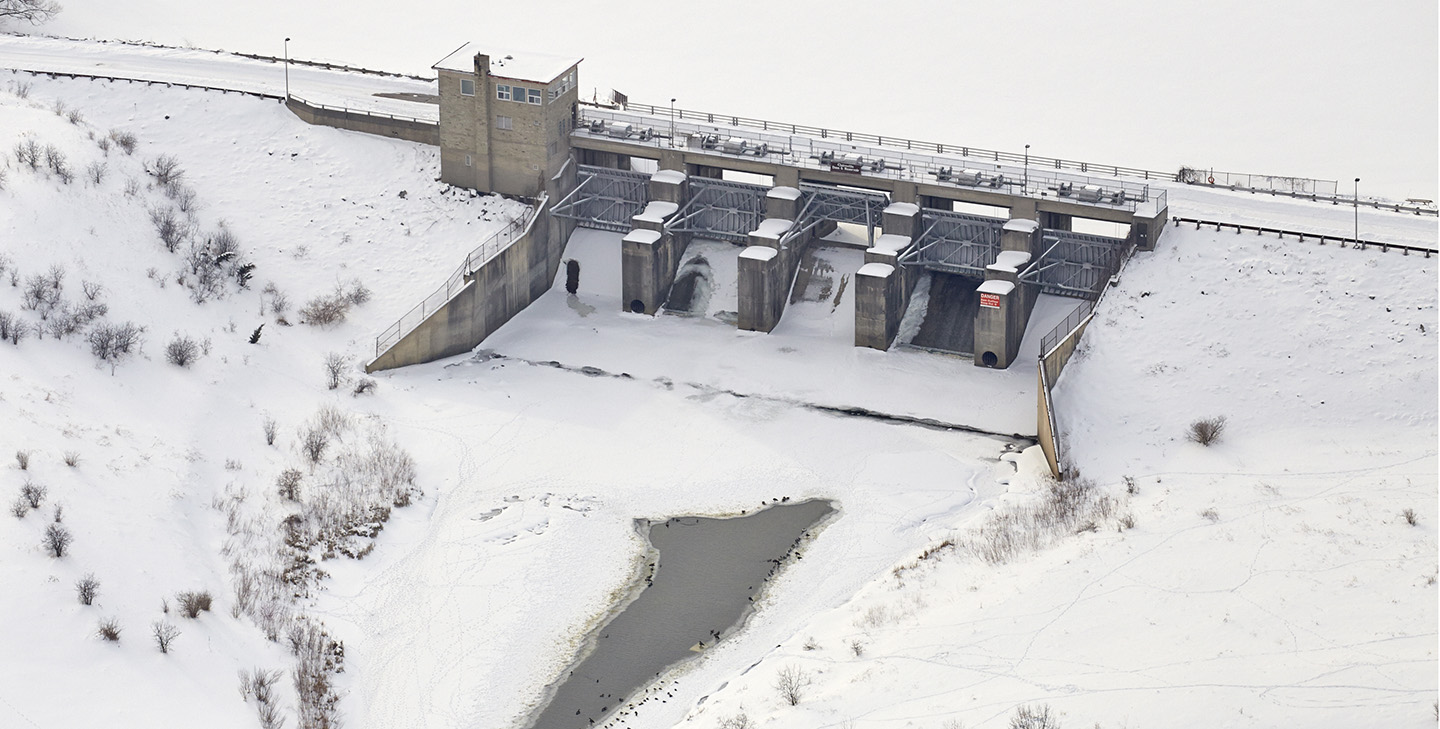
{"type": "Point", "coordinates": [649, 254]}
{"type": "Point", "coordinates": [882, 285]}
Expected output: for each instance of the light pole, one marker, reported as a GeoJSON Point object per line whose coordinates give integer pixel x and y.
{"type": "Point", "coordinates": [1026, 188]}
{"type": "Point", "coordinates": [672, 123]}
{"type": "Point", "coordinates": [1357, 211]}
{"type": "Point", "coordinates": [287, 69]}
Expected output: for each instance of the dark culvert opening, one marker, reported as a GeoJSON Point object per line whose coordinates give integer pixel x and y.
{"type": "Point", "coordinates": [637, 306]}
{"type": "Point", "coordinates": [989, 359]}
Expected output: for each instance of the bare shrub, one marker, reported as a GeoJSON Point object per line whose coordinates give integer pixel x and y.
{"type": "Point", "coordinates": [27, 153]}
{"type": "Point", "coordinates": [318, 657]}
{"type": "Point", "coordinates": [791, 683]}
{"type": "Point", "coordinates": [738, 721]}
{"type": "Point", "coordinates": [165, 169]}
{"type": "Point", "coordinates": [21, 89]}
{"type": "Point", "coordinates": [95, 172]}
{"type": "Point", "coordinates": [261, 684]}
{"type": "Point", "coordinates": [857, 647]}
{"type": "Point", "coordinates": [20, 507]}
{"type": "Point", "coordinates": [269, 427]}
{"type": "Point", "coordinates": [12, 328]}
{"type": "Point", "coordinates": [1034, 717]}
{"type": "Point", "coordinates": [124, 140]}
{"type": "Point", "coordinates": [288, 484]}
{"type": "Point", "coordinates": [33, 493]}
{"type": "Point", "coordinates": [132, 187]}
{"type": "Point", "coordinates": [58, 107]}
{"type": "Point", "coordinates": [313, 443]}
{"type": "Point", "coordinates": [193, 603]}
{"type": "Point", "coordinates": [356, 293]}
{"type": "Point", "coordinates": [86, 588]}
{"type": "Point", "coordinates": [109, 630]}
{"type": "Point", "coordinates": [279, 302]}
{"type": "Point", "coordinates": [1206, 430]}
{"type": "Point", "coordinates": [183, 195]}
{"type": "Point", "coordinates": [104, 144]}
{"type": "Point", "coordinates": [164, 634]}
{"type": "Point", "coordinates": [172, 230]}
{"type": "Point", "coordinates": [1211, 514]}
{"type": "Point", "coordinates": [364, 386]}
{"type": "Point", "coordinates": [112, 343]}
{"type": "Point", "coordinates": [2, 186]}
{"type": "Point", "coordinates": [326, 310]}
{"type": "Point", "coordinates": [40, 295]}
{"type": "Point", "coordinates": [335, 366]}
{"type": "Point", "coordinates": [74, 117]}
{"type": "Point", "coordinates": [58, 164]}
{"type": "Point", "coordinates": [1065, 508]}
{"type": "Point", "coordinates": [1411, 517]}
{"type": "Point", "coordinates": [71, 458]}
{"type": "Point", "coordinates": [182, 350]}
{"type": "Point", "coordinates": [57, 540]}
{"type": "Point", "coordinates": [22, 459]}
{"type": "Point", "coordinates": [92, 289]}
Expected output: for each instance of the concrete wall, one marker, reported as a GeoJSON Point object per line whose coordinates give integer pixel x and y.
{"type": "Point", "coordinates": [412, 131]}
{"type": "Point", "coordinates": [1048, 371]}
{"type": "Point", "coordinates": [493, 294]}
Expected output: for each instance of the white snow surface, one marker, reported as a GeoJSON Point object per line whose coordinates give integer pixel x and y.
{"type": "Point", "coordinates": [1269, 580]}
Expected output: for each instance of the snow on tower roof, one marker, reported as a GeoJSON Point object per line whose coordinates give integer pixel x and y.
{"type": "Point", "coordinates": [538, 67]}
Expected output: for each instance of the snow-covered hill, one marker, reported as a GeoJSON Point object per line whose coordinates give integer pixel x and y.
{"type": "Point", "coordinates": [1270, 579]}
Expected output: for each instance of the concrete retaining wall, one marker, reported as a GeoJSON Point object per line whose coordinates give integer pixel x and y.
{"type": "Point", "coordinates": [492, 295]}
{"type": "Point", "coordinates": [384, 126]}
{"type": "Point", "coordinates": [1051, 364]}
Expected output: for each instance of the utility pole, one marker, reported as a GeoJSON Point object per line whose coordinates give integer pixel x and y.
{"type": "Point", "coordinates": [287, 69]}
{"type": "Point", "coordinates": [672, 122]}
{"type": "Point", "coordinates": [1026, 188]}
{"type": "Point", "coordinates": [1357, 211]}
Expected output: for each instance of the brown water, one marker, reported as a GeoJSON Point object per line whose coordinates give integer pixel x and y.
{"type": "Point", "coordinates": [704, 580]}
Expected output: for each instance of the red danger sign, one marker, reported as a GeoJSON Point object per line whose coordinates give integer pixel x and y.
{"type": "Point", "coordinates": [990, 301]}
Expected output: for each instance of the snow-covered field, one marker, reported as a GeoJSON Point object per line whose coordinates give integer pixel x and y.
{"type": "Point", "coordinates": [1270, 579]}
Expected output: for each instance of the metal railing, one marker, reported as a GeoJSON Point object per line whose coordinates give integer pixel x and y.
{"type": "Point", "coordinates": [807, 151]}
{"type": "Point", "coordinates": [491, 247]}
{"type": "Point", "coordinates": [1322, 238]}
{"type": "Point", "coordinates": [362, 112]}
{"type": "Point", "coordinates": [879, 140]}
{"type": "Point", "coordinates": [1063, 329]}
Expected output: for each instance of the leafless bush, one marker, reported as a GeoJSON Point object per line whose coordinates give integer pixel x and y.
{"type": "Point", "coordinates": [261, 684]}
{"type": "Point", "coordinates": [59, 513]}
{"type": "Point", "coordinates": [356, 293]}
{"type": "Point", "coordinates": [193, 603]}
{"type": "Point", "coordinates": [95, 172]}
{"type": "Point", "coordinates": [58, 164]}
{"type": "Point", "coordinates": [86, 588]}
{"type": "Point", "coordinates": [332, 421]}
{"type": "Point", "coordinates": [58, 107]}
{"type": "Point", "coordinates": [313, 443]}
{"type": "Point", "coordinates": [791, 682]}
{"type": "Point", "coordinates": [335, 366]}
{"type": "Point", "coordinates": [318, 657]}
{"type": "Point", "coordinates": [124, 140]}
{"type": "Point", "coordinates": [738, 721]}
{"type": "Point", "coordinates": [109, 630]}
{"type": "Point", "coordinates": [65, 320]}
{"type": "Point", "coordinates": [20, 507]}
{"type": "Point", "coordinates": [132, 187]}
{"type": "Point", "coordinates": [104, 144]}
{"type": "Point", "coordinates": [182, 350]}
{"type": "Point", "coordinates": [74, 117]}
{"type": "Point", "coordinates": [165, 169]}
{"type": "Point", "coordinates": [33, 493]}
{"type": "Point", "coordinates": [21, 89]}
{"type": "Point", "coordinates": [1411, 517]}
{"type": "Point", "coordinates": [11, 327]}
{"type": "Point", "coordinates": [27, 153]}
{"type": "Point", "coordinates": [72, 458]}
{"type": "Point", "coordinates": [1211, 514]}
{"type": "Point", "coordinates": [39, 295]}
{"type": "Point", "coordinates": [288, 483]}
{"type": "Point", "coordinates": [92, 289]}
{"type": "Point", "coordinates": [183, 195]}
{"type": "Point", "coordinates": [1034, 717]}
{"type": "Point", "coordinates": [269, 427]}
{"type": "Point", "coordinates": [164, 634]}
{"type": "Point", "coordinates": [22, 459]}
{"type": "Point", "coordinates": [172, 230]}
{"type": "Point", "coordinates": [2, 179]}
{"type": "Point", "coordinates": [57, 540]}
{"type": "Point", "coordinates": [326, 310]}
{"type": "Point", "coordinates": [364, 386]}
{"type": "Point", "coordinates": [1065, 508]}
{"type": "Point", "coordinates": [1206, 430]}
{"type": "Point", "coordinates": [112, 343]}
{"type": "Point", "coordinates": [279, 302]}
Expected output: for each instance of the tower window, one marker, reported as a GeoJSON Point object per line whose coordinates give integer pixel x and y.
{"type": "Point", "coordinates": [467, 87]}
